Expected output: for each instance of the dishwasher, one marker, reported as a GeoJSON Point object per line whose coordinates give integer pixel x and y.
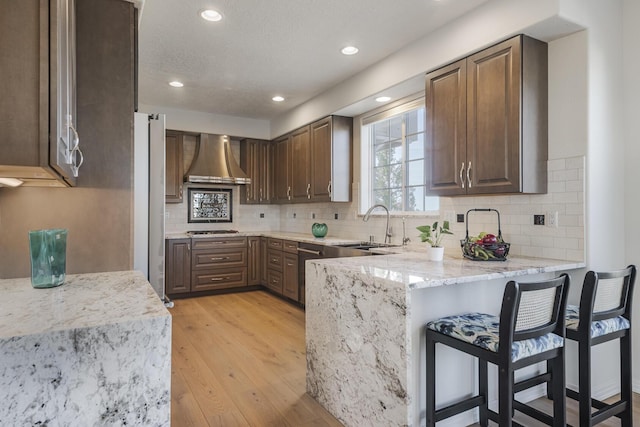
{"type": "Point", "coordinates": [307, 251]}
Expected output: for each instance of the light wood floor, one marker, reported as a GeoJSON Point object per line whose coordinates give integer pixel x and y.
{"type": "Point", "coordinates": [239, 360]}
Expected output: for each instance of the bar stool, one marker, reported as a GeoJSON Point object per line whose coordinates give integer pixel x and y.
{"type": "Point", "coordinates": [529, 330]}
{"type": "Point", "coordinates": [604, 314]}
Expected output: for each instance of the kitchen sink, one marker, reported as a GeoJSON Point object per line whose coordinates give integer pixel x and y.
{"type": "Point", "coordinates": [365, 246]}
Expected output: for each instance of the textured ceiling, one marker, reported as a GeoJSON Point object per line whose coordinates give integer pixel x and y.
{"type": "Point", "coordinates": [263, 48]}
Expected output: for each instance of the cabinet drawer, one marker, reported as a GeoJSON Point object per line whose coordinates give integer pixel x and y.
{"type": "Point", "coordinates": [220, 258]}
{"type": "Point", "coordinates": [217, 243]}
{"type": "Point", "coordinates": [275, 244]}
{"type": "Point", "coordinates": [218, 279]}
{"type": "Point", "coordinates": [274, 281]}
{"type": "Point", "coordinates": [274, 259]}
{"type": "Point", "coordinates": [290, 246]}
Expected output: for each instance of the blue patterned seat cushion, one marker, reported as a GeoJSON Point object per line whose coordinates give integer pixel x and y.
{"type": "Point", "coordinates": [482, 330]}
{"type": "Point", "coordinates": [599, 328]}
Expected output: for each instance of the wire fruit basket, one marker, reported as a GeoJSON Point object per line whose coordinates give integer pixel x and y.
{"type": "Point", "coordinates": [489, 249]}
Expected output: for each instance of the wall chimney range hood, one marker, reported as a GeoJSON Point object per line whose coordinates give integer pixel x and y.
{"type": "Point", "coordinates": [214, 163]}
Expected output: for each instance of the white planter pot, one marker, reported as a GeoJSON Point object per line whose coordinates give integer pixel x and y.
{"type": "Point", "coordinates": [435, 254]}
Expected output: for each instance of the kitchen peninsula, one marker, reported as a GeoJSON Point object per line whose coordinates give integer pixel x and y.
{"type": "Point", "coordinates": [94, 351]}
{"type": "Point", "coordinates": [364, 322]}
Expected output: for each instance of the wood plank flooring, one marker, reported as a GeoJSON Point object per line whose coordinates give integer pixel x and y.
{"type": "Point", "coordinates": [239, 360]}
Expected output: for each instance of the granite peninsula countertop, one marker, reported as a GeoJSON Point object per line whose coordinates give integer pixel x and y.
{"type": "Point", "coordinates": [411, 269]}
{"type": "Point", "coordinates": [85, 300]}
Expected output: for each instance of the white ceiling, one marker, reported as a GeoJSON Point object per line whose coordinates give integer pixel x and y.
{"type": "Point", "coordinates": [263, 48]}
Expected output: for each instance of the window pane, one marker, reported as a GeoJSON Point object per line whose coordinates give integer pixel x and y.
{"type": "Point", "coordinates": [381, 132]}
{"type": "Point", "coordinates": [415, 147]}
{"type": "Point", "coordinates": [381, 178]}
{"type": "Point", "coordinates": [395, 127]}
{"type": "Point", "coordinates": [415, 172]}
{"type": "Point", "coordinates": [381, 196]}
{"type": "Point", "coordinates": [415, 199]}
{"type": "Point", "coordinates": [396, 199]}
{"type": "Point", "coordinates": [396, 151]}
{"type": "Point", "coordinates": [395, 176]}
{"type": "Point", "coordinates": [414, 121]}
{"type": "Point", "coordinates": [381, 154]}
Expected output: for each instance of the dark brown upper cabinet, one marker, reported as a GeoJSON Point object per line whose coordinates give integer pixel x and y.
{"type": "Point", "coordinates": [256, 160]}
{"type": "Point", "coordinates": [39, 142]}
{"type": "Point", "coordinates": [487, 121]}
{"type": "Point", "coordinates": [313, 163]}
{"type": "Point", "coordinates": [330, 142]}
{"type": "Point", "coordinates": [174, 173]}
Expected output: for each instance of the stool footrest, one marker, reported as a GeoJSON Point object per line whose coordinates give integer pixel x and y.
{"type": "Point", "coordinates": [533, 412]}
{"type": "Point", "coordinates": [609, 411]}
{"type": "Point", "coordinates": [495, 417]}
{"type": "Point", "coordinates": [605, 410]}
{"type": "Point", "coordinates": [459, 407]}
{"type": "Point", "coordinates": [531, 382]}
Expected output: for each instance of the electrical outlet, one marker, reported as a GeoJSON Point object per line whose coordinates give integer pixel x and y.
{"type": "Point", "coordinates": [538, 220]}
{"type": "Point", "coordinates": [261, 215]}
{"type": "Point", "coordinates": [552, 219]}
{"type": "Point", "coordinates": [460, 217]}
{"type": "Point", "coordinates": [335, 216]}
{"type": "Point", "coordinates": [313, 215]}
{"type": "Point", "coordinates": [167, 215]}
{"type": "Point", "coordinates": [294, 215]}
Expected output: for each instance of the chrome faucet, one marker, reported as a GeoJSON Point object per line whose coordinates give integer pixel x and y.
{"type": "Point", "coordinates": [405, 239]}
{"type": "Point", "coordinates": [387, 233]}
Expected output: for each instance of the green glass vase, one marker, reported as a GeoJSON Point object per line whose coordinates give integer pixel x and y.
{"type": "Point", "coordinates": [48, 250]}
{"type": "Point", "coordinates": [319, 230]}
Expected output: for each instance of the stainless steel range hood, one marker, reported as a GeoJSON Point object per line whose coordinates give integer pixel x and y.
{"type": "Point", "coordinates": [214, 163]}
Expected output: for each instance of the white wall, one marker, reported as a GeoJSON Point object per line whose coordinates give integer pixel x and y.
{"type": "Point", "coordinates": [197, 121]}
{"type": "Point", "coordinates": [631, 82]}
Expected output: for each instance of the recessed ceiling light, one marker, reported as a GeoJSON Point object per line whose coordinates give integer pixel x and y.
{"type": "Point", "coordinates": [176, 84]}
{"type": "Point", "coordinates": [278, 98]}
{"type": "Point", "coordinates": [211, 15]}
{"type": "Point", "coordinates": [349, 50]}
{"type": "Point", "coordinates": [383, 98]}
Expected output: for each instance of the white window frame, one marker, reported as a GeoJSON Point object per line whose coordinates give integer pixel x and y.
{"type": "Point", "coordinates": [366, 156]}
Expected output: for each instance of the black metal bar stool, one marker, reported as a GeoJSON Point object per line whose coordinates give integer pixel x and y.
{"type": "Point", "coordinates": [530, 330]}
{"type": "Point", "coordinates": [604, 314]}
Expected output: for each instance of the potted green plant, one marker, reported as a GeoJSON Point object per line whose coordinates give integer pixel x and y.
{"type": "Point", "coordinates": [433, 234]}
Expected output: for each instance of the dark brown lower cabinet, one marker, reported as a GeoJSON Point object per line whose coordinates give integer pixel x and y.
{"type": "Point", "coordinates": [254, 261]}
{"type": "Point", "coordinates": [263, 260]}
{"type": "Point", "coordinates": [178, 266]}
{"type": "Point", "coordinates": [290, 279]}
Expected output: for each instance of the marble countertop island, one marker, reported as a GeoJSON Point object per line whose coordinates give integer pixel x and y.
{"type": "Point", "coordinates": [365, 319]}
{"type": "Point", "coordinates": [94, 351]}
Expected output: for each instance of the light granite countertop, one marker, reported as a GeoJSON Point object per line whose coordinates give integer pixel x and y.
{"type": "Point", "coordinates": [299, 237]}
{"type": "Point", "coordinates": [94, 351]}
{"type": "Point", "coordinates": [84, 300]}
{"type": "Point", "coordinates": [410, 268]}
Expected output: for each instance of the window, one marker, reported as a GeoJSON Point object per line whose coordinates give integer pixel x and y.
{"type": "Point", "coordinates": [393, 148]}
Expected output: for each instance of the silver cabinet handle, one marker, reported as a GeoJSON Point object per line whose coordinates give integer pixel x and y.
{"type": "Point", "coordinates": [308, 191]}
{"type": "Point", "coordinates": [461, 172]}
{"type": "Point", "coordinates": [468, 173]}
{"type": "Point", "coordinates": [289, 193]}
{"type": "Point", "coordinates": [219, 258]}
{"type": "Point", "coordinates": [261, 194]}
{"type": "Point", "coordinates": [329, 188]}
{"type": "Point", "coordinates": [308, 251]}
{"type": "Point", "coordinates": [217, 279]}
{"type": "Point", "coordinates": [289, 264]}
